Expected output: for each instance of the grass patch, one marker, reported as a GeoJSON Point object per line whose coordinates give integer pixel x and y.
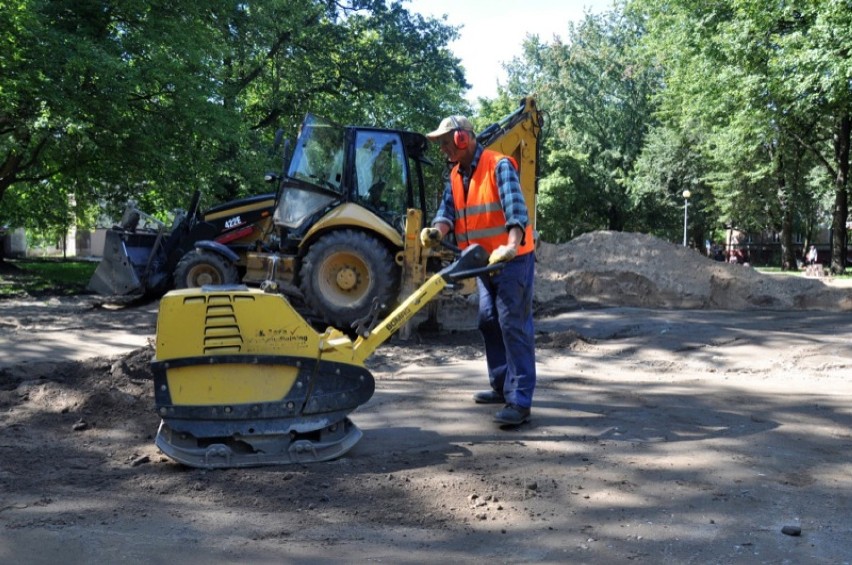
{"type": "Point", "coordinates": [41, 277]}
{"type": "Point", "coordinates": [778, 271]}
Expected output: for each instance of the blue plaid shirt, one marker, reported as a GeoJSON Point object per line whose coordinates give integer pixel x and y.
{"type": "Point", "coordinates": [508, 185]}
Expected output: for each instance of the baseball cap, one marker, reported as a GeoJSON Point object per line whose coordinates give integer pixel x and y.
{"type": "Point", "coordinates": [449, 124]}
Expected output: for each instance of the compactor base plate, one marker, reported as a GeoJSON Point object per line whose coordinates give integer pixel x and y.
{"type": "Point", "coordinates": [256, 450]}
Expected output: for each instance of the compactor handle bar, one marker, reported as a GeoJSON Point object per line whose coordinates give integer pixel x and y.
{"type": "Point", "coordinates": [487, 269]}
{"type": "Point", "coordinates": [471, 262]}
{"type": "Point", "coordinates": [447, 245]}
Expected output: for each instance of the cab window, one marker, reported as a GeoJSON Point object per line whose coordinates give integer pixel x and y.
{"type": "Point", "coordinates": [380, 172]}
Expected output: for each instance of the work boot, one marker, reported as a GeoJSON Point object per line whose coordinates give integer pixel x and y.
{"type": "Point", "coordinates": [512, 414]}
{"type": "Point", "coordinates": [489, 397]}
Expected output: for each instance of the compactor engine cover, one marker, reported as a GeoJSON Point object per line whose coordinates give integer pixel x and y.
{"type": "Point", "coordinates": [241, 379]}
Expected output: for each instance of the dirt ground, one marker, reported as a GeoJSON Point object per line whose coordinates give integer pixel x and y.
{"type": "Point", "coordinates": [686, 412]}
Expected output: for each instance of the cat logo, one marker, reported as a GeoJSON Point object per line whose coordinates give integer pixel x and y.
{"type": "Point", "coordinates": [233, 222]}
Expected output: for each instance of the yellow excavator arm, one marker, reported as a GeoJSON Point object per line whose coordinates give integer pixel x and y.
{"type": "Point", "coordinates": [517, 135]}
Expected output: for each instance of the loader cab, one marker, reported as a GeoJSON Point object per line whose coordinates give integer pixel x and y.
{"type": "Point", "coordinates": [375, 169]}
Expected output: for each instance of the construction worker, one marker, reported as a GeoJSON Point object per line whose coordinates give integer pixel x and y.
{"type": "Point", "coordinates": [483, 204]}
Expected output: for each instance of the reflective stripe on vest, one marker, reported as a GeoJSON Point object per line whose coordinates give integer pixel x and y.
{"type": "Point", "coordinates": [481, 219]}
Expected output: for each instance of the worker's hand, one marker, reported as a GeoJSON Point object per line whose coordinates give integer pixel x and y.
{"type": "Point", "coordinates": [502, 254]}
{"type": "Point", "coordinates": [430, 237]}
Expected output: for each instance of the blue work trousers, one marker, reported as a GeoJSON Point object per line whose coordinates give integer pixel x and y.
{"type": "Point", "coordinates": [506, 323]}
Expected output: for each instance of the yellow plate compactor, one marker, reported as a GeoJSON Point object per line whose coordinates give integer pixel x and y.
{"type": "Point", "coordinates": [241, 379]}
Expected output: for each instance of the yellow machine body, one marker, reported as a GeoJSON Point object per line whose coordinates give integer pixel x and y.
{"type": "Point", "coordinates": [354, 216]}
{"type": "Point", "coordinates": [240, 378]}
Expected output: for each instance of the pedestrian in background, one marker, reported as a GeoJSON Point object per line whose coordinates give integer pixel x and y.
{"type": "Point", "coordinates": [812, 256]}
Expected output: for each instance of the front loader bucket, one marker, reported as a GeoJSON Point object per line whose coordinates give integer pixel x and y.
{"type": "Point", "coordinates": [123, 265]}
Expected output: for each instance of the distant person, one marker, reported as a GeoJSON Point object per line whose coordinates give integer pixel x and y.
{"type": "Point", "coordinates": [718, 252]}
{"type": "Point", "coordinates": [811, 258]}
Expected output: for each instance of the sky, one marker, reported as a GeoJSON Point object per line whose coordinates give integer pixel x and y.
{"type": "Point", "coordinates": [494, 31]}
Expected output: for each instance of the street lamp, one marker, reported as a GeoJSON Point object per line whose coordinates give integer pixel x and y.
{"type": "Point", "coordinates": [686, 195]}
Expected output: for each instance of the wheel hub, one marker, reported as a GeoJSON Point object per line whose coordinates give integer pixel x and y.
{"type": "Point", "coordinates": [204, 279]}
{"type": "Point", "coordinates": [203, 275]}
{"type": "Point", "coordinates": [346, 278]}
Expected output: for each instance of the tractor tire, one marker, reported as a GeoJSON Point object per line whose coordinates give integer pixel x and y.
{"type": "Point", "coordinates": [343, 273]}
{"type": "Point", "coordinates": [201, 268]}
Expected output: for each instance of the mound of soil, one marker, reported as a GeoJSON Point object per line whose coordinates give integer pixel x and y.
{"type": "Point", "coordinates": [632, 269]}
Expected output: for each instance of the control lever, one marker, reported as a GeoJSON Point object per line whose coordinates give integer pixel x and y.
{"type": "Point", "coordinates": [364, 326]}
{"type": "Point", "coordinates": [447, 245]}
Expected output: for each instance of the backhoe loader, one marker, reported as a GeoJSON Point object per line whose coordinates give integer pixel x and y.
{"type": "Point", "coordinates": [339, 234]}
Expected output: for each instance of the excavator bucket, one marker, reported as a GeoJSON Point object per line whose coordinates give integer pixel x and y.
{"type": "Point", "coordinates": [125, 260]}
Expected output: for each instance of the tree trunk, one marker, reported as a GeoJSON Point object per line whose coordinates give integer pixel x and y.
{"type": "Point", "coordinates": [785, 199]}
{"type": "Point", "coordinates": [8, 171]}
{"type": "Point", "coordinates": [615, 218]}
{"type": "Point", "coordinates": [788, 251]}
{"type": "Point", "coordinates": [841, 195]}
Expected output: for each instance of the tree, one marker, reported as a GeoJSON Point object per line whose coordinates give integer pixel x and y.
{"type": "Point", "coordinates": [153, 99]}
{"type": "Point", "coordinates": [816, 63]}
{"type": "Point", "coordinates": [353, 62]}
{"type": "Point", "coordinates": [671, 162]}
{"type": "Point", "coordinates": [599, 98]}
{"type": "Point", "coordinates": [111, 94]}
{"type": "Point", "coordinates": [760, 78]}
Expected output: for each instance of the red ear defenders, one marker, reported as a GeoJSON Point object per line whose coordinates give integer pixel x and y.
{"type": "Point", "coordinates": [461, 137]}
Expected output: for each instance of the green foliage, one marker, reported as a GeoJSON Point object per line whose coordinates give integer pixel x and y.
{"type": "Point", "coordinates": [109, 100]}
{"type": "Point", "coordinates": [745, 103]}
{"type": "Point", "coordinates": [493, 110]}
{"type": "Point", "coordinates": [598, 94]}
{"type": "Point", "coordinates": [670, 164]}
{"type": "Point", "coordinates": [767, 85]}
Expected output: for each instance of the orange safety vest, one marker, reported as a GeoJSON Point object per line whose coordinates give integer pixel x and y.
{"type": "Point", "coordinates": [480, 218]}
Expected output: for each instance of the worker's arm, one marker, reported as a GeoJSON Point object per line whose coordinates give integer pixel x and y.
{"type": "Point", "coordinates": [516, 237]}
{"type": "Point", "coordinates": [512, 201]}
{"type": "Point", "coordinates": [446, 216]}
{"type": "Point", "coordinates": [443, 222]}
{"type": "Point", "coordinates": [514, 208]}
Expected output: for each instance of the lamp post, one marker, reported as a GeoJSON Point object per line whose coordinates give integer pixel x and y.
{"type": "Point", "coordinates": [686, 194]}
